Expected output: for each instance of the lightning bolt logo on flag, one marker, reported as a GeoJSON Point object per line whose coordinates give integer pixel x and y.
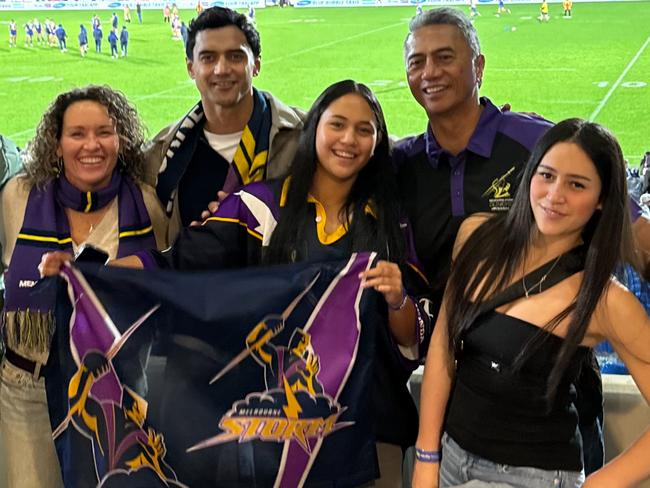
{"type": "Point", "coordinates": [267, 379]}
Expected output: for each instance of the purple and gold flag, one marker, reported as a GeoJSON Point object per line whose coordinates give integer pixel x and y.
{"type": "Point", "coordinates": [265, 378]}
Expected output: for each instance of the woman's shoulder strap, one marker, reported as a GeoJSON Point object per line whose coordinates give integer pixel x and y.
{"type": "Point", "coordinates": [547, 275]}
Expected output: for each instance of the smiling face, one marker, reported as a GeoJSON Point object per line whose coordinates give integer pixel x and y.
{"type": "Point", "coordinates": [89, 145]}
{"type": "Point", "coordinates": [564, 191]}
{"type": "Point", "coordinates": [443, 73]}
{"type": "Point", "coordinates": [223, 66]}
{"type": "Point", "coordinates": [346, 136]}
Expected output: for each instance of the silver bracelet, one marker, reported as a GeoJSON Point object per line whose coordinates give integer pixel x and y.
{"type": "Point", "coordinates": [402, 304]}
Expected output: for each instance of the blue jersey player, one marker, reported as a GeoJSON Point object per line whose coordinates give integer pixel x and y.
{"type": "Point", "coordinates": [12, 33]}
{"type": "Point", "coordinates": [29, 33]}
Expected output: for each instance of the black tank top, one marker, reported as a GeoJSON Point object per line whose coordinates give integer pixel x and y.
{"type": "Point", "coordinates": [502, 414]}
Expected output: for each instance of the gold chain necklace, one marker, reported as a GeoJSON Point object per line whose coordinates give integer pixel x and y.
{"type": "Point", "coordinates": [541, 280]}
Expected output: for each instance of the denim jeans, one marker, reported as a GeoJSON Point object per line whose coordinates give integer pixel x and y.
{"type": "Point", "coordinates": [25, 431]}
{"type": "Point", "coordinates": [459, 467]}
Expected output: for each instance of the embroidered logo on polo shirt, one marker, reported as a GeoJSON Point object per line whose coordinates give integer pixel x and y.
{"type": "Point", "coordinates": [500, 197]}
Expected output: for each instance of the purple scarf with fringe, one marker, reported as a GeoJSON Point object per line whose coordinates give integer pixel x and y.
{"type": "Point", "coordinates": [45, 228]}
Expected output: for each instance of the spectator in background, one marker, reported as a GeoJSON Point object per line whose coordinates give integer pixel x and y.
{"type": "Point", "coordinates": [176, 27]}
{"type": "Point", "coordinates": [645, 161]}
{"type": "Point", "coordinates": [83, 40]}
{"type": "Point", "coordinates": [184, 34]}
{"type": "Point", "coordinates": [98, 35]}
{"type": "Point", "coordinates": [112, 40]}
{"type": "Point", "coordinates": [61, 36]}
{"type": "Point", "coordinates": [124, 40]}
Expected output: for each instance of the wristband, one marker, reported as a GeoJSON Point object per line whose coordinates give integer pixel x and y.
{"type": "Point", "coordinates": [402, 304]}
{"type": "Point", "coordinates": [427, 456]}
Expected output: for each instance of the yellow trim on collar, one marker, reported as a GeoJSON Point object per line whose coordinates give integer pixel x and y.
{"type": "Point", "coordinates": [321, 216]}
{"type": "Point", "coordinates": [321, 220]}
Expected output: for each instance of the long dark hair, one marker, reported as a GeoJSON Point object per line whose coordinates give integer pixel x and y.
{"type": "Point", "coordinates": [374, 183]}
{"type": "Point", "coordinates": [486, 263]}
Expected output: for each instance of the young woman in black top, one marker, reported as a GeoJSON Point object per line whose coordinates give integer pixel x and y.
{"type": "Point", "coordinates": [530, 291]}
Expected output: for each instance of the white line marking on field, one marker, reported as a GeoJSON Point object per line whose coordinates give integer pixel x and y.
{"type": "Point", "coordinates": [568, 70]}
{"type": "Point", "coordinates": [332, 43]}
{"type": "Point", "coordinates": [21, 133]}
{"type": "Point", "coordinates": [606, 98]}
{"type": "Point", "coordinates": [139, 98]}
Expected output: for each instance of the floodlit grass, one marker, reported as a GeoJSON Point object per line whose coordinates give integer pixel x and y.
{"type": "Point", "coordinates": [596, 64]}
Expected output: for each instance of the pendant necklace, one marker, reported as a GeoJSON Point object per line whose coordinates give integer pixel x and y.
{"type": "Point", "coordinates": [541, 280]}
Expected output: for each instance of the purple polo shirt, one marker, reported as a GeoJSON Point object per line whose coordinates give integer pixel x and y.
{"type": "Point", "coordinates": [439, 189]}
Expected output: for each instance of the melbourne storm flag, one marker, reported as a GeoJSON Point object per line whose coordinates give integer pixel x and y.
{"type": "Point", "coordinates": [266, 380]}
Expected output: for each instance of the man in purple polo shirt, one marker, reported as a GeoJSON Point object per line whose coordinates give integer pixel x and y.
{"type": "Point", "coordinates": [468, 160]}
{"type": "Point", "coordinates": [469, 157]}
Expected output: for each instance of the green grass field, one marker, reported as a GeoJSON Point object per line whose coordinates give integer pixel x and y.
{"type": "Point", "coordinates": [595, 65]}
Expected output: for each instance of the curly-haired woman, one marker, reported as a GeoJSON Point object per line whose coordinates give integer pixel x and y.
{"type": "Point", "coordinates": [80, 187]}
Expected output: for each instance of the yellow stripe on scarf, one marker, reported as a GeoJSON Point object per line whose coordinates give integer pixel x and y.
{"type": "Point", "coordinates": [89, 205]}
{"type": "Point", "coordinates": [30, 237]}
{"type": "Point", "coordinates": [138, 232]}
{"type": "Point", "coordinates": [249, 172]}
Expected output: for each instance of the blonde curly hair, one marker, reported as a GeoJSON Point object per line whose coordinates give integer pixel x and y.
{"type": "Point", "coordinates": [40, 158]}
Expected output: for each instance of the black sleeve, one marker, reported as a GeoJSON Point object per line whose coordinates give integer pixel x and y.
{"type": "Point", "coordinates": [222, 241]}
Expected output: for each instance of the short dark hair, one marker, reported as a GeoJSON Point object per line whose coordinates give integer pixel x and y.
{"type": "Point", "coordinates": [216, 17]}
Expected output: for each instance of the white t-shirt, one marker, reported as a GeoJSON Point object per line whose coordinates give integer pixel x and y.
{"type": "Point", "coordinates": [225, 144]}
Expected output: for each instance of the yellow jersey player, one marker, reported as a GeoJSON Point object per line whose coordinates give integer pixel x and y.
{"type": "Point", "coordinates": [543, 12]}
{"type": "Point", "coordinates": [567, 4]}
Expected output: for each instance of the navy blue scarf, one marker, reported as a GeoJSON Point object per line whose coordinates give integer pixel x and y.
{"type": "Point", "coordinates": [249, 162]}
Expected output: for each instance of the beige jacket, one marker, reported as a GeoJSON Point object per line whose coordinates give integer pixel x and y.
{"type": "Point", "coordinates": [286, 125]}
